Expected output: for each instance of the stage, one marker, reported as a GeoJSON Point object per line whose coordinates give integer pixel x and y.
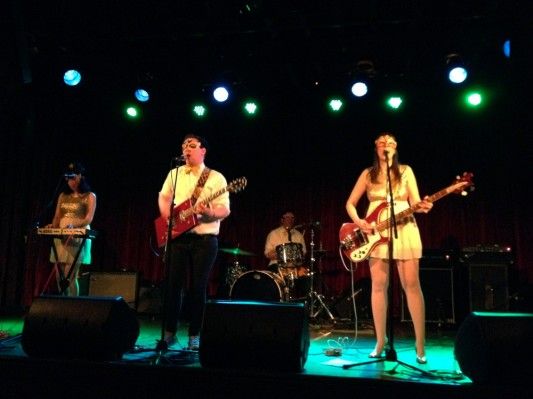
{"type": "Point", "coordinates": [145, 372]}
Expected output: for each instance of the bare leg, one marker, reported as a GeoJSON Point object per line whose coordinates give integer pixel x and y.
{"type": "Point", "coordinates": [379, 273]}
{"type": "Point", "coordinates": [408, 271]}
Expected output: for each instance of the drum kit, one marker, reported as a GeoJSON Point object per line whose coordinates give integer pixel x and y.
{"type": "Point", "coordinates": [266, 285]}
{"type": "Point", "coordinates": [294, 281]}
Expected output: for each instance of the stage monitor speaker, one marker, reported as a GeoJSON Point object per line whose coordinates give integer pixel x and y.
{"type": "Point", "coordinates": [256, 335]}
{"type": "Point", "coordinates": [495, 347]}
{"type": "Point", "coordinates": [124, 284]}
{"type": "Point", "coordinates": [79, 328]}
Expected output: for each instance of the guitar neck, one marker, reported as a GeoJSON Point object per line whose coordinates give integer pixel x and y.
{"type": "Point", "coordinates": [409, 211]}
{"type": "Point", "coordinates": [188, 212]}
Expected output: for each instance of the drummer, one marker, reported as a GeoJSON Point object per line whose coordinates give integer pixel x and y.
{"type": "Point", "coordinates": [285, 233]}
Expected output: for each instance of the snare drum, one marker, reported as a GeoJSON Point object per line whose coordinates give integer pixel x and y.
{"type": "Point", "coordinates": [290, 254]}
{"type": "Point", "coordinates": [259, 285]}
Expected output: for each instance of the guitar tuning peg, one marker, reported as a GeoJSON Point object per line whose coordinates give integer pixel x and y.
{"type": "Point", "coordinates": [464, 193]}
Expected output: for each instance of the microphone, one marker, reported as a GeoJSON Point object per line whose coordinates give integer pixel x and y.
{"type": "Point", "coordinates": [69, 175]}
{"type": "Point", "coordinates": [179, 159]}
{"type": "Point", "coordinates": [386, 153]}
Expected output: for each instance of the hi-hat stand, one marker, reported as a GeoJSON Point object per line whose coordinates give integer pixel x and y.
{"type": "Point", "coordinates": [316, 300]}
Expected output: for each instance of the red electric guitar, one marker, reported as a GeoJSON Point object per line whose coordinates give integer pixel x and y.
{"type": "Point", "coordinates": [184, 216]}
{"type": "Point", "coordinates": [357, 245]}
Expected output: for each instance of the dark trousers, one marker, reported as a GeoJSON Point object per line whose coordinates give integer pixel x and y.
{"type": "Point", "coordinates": [191, 258]}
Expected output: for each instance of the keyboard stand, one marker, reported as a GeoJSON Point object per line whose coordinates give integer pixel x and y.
{"type": "Point", "coordinates": [64, 281]}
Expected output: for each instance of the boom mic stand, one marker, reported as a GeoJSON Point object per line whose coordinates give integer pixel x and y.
{"type": "Point", "coordinates": [390, 352]}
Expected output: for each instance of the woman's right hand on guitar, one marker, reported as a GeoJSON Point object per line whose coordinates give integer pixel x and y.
{"type": "Point", "coordinates": [365, 227]}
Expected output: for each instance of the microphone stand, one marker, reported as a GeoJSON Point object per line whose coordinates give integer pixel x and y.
{"type": "Point", "coordinates": [162, 346]}
{"type": "Point", "coordinates": [390, 352]}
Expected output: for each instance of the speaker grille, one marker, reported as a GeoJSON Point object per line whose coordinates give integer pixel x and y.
{"type": "Point", "coordinates": [259, 335]}
{"type": "Point", "coordinates": [79, 328]}
{"type": "Point", "coordinates": [494, 347]}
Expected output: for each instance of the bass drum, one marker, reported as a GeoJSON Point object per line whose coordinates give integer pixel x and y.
{"type": "Point", "coordinates": [259, 285]}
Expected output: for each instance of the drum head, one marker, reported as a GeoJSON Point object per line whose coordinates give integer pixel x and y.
{"type": "Point", "coordinates": [258, 285]}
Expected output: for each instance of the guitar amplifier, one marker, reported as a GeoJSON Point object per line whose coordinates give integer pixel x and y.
{"type": "Point", "coordinates": [109, 284]}
{"type": "Point", "coordinates": [488, 277]}
{"type": "Point", "coordinates": [437, 280]}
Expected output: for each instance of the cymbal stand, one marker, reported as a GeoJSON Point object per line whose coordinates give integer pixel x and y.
{"type": "Point", "coordinates": [316, 300]}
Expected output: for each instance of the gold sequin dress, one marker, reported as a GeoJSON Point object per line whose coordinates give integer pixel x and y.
{"type": "Point", "coordinates": [408, 245]}
{"type": "Point", "coordinates": [73, 208]}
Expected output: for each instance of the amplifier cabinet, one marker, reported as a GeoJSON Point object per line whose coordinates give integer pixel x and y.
{"type": "Point", "coordinates": [488, 286]}
{"type": "Point", "coordinates": [438, 288]}
{"type": "Point", "coordinates": [108, 284]}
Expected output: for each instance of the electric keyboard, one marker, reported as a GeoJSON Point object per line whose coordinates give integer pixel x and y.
{"type": "Point", "coordinates": [58, 232]}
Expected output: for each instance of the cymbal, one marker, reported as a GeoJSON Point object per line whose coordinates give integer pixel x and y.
{"type": "Point", "coordinates": [236, 251]}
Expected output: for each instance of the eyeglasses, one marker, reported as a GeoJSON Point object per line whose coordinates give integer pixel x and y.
{"type": "Point", "coordinates": [386, 143]}
{"type": "Point", "coordinates": [190, 145]}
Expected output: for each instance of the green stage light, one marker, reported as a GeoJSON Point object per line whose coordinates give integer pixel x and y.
{"type": "Point", "coordinates": [394, 102]}
{"type": "Point", "coordinates": [474, 99]}
{"type": "Point", "coordinates": [199, 110]}
{"type": "Point", "coordinates": [132, 112]}
{"type": "Point", "coordinates": [335, 104]}
{"type": "Point", "coordinates": [250, 108]}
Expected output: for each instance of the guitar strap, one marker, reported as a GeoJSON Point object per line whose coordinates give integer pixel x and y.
{"type": "Point", "coordinates": [200, 185]}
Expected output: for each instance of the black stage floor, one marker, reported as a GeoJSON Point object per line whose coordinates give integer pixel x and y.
{"type": "Point", "coordinates": [143, 372]}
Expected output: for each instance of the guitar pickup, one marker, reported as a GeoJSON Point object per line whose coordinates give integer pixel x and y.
{"type": "Point", "coordinates": [362, 238]}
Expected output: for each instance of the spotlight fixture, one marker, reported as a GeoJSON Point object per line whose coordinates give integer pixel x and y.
{"type": "Point", "coordinates": [144, 85]}
{"type": "Point", "coordinates": [220, 94]}
{"type": "Point", "coordinates": [506, 48]}
{"type": "Point", "coordinates": [456, 69]}
{"type": "Point", "coordinates": [142, 95]}
{"type": "Point", "coordinates": [364, 72]}
{"type": "Point", "coordinates": [72, 77]}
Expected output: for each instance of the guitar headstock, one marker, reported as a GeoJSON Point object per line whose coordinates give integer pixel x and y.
{"type": "Point", "coordinates": [237, 185]}
{"type": "Point", "coordinates": [462, 182]}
